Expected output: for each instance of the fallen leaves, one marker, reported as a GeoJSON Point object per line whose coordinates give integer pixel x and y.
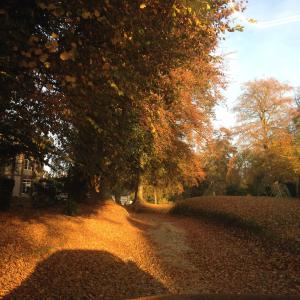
{"type": "Point", "coordinates": [278, 216]}
{"type": "Point", "coordinates": [110, 254]}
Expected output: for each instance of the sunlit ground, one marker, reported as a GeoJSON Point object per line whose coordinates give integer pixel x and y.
{"type": "Point", "coordinates": [109, 253]}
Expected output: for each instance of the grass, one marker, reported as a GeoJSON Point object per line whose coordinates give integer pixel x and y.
{"type": "Point", "coordinates": [275, 220]}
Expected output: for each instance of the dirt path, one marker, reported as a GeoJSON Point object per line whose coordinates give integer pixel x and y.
{"type": "Point", "coordinates": [111, 254]}
{"type": "Point", "coordinates": [206, 258]}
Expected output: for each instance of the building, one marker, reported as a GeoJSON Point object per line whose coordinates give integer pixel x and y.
{"type": "Point", "coordinates": [24, 171]}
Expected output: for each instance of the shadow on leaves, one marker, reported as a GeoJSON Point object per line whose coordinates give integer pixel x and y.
{"type": "Point", "coordinates": [86, 274]}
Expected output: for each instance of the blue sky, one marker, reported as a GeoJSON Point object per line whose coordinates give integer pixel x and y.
{"type": "Point", "coordinates": [269, 48]}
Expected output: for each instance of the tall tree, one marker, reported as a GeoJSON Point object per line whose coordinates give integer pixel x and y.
{"type": "Point", "coordinates": [113, 69]}
{"type": "Point", "coordinates": [219, 162]}
{"type": "Point", "coordinates": [265, 112]}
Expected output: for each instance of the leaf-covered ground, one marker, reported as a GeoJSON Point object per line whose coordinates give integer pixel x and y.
{"type": "Point", "coordinates": [277, 218]}
{"type": "Point", "coordinates": [109, 253]}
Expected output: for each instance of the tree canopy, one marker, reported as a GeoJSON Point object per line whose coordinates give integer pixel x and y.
{"type": "Point", "coordinates": [114, 88]}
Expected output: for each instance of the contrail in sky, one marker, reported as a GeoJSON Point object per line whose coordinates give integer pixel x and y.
{"type": "Point", "coordinates": [266, 24]}
{"type": "Point", "coordinates": [277, 22]}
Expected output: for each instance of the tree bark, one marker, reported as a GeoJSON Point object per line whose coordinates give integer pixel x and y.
{"type": "Point", "coordinates": [105, 189]}
{"type": "Point", "coordinates": [118, 197]}
{"type": "Point", "coordinates": [139, 189]}
{"type": "Point", "coordinates": [155, 194]}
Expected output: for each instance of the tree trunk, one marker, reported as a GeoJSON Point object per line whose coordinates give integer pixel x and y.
{"type": "Point", "coordinates": [155, 195]}
{"type": "Point", "coordinates": [298, 187]}
{"type": "Point", "coordinates": [138, 197]}
{"type": "Point", "coordinates": [118, 197]}
{"type": "Point", "coordinates": [105, 189]}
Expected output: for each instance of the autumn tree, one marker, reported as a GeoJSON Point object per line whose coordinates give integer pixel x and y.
{"type": "Point", "coordinates": [219, 163]}
{"type": "Point", "coordinates": [111, 74]}
{"type": "Point", "coordinates": [296, 131]}
{"type": "Point", "coordinates": [265, 113]}
{"type": "Point", "coordinates": [28, 111]}
{"type": "Point", "coordinates": [135, 61]}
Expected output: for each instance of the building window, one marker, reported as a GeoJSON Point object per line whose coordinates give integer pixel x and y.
{"type": "Point", "coordinates": [27, 164]}
{"type": "Point", "coordinates": [26, 186]}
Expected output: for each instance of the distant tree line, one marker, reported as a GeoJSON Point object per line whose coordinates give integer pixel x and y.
{"type": "Point", "coordinates": [261, 155]}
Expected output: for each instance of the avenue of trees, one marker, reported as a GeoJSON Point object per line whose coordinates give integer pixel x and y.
{"type": "Point", "coordinates": [119, 95]}
{"type": "Point", "coordinates": [114, 93]}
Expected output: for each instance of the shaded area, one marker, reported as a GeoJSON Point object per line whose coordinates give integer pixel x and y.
{"type": "Point", "coordinates": [274, 221]}
{"type": "Point", "coordinates": [219, 217]}
{"type": "Point", "coordinates": [23, 209]}
{"type": "Point", "coordinates": [86, 274]}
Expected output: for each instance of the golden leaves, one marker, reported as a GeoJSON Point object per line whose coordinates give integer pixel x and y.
{"type": "Point", "coordinates": [106, 66]}
{"type": "Point", "coordinates": [52, 46]}
{"type": "Point", "coordinates": [70, 79]}
{"type": "Point", "coordinates": [66, 55]}
{"type": "Point", "coordinates": [26, 53]}
{"type": "Point", "coordinates": [116, 88]}
{"type": "Point", "coordinates": [54, 35]}
{"type": "Point", "coordinates": [33, 39]}
{"type": "Point", "coordinates": [252, 21]}
{"type": "Point", "coordinates": [47, 65]}
{"type": "Point", "coordinates": [143, 5]}
{"type": "Point", "coordinates": [37, 51]}
{"type": "Point", "coordinates": [197, 21]}
{"type": "Point", "coordinates": [239, 27]}
{"type": "Point", "coordinates": [94, 124]}
{"type": "Point", "coordinates": [29, 65]}
{"type": "Point", "coordinates": [176, 9]}
{"type": "Point", "coordinates": [43, 58]}
{"type": "Point", "coordinates": [86, 14]}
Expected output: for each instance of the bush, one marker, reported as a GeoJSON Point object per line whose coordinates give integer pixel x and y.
{"type": "Point", "coordinates": [70, 208]}
{"type": "Point", "coordinates": [280, 190]}
{"type": "Point", "coordinates": [235, 190]}
{"type": "Point", "coordinates": [6, 188]}
{"type": "Point", "coordinates": [77, 184]}
{"type": "Point", "coordinates": [44, 194]}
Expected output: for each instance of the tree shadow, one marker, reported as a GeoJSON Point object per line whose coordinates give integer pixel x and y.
{"type": "Point", "coordinates": [83, 209]}
{"type": "Point", "coordinates": [86, 274]}
{"type": "Point", "coordinates": [139, 223]}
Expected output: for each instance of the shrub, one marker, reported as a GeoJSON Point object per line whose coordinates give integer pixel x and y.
{"type": "Point", "coordinates": [70, 208]}
{"type": "Point", "coordinates": [6, 188]}
{"type": "Point", "coordinates": [280, 190]}
{"type": "Point", "coordinates": [77, 184]}
{"type": "Point", "coordinates": [44, 194]}
{"type": "Point", "coordinates": [235, 190]}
